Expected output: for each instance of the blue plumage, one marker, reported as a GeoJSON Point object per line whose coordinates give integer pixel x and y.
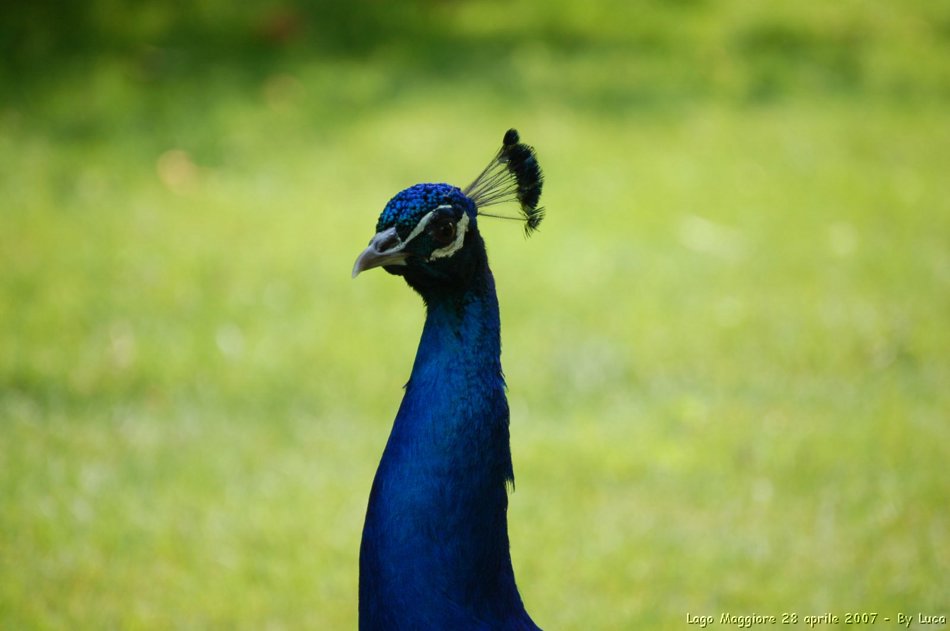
{"type": "Point", "coordinates": [435, 552]}
{"type": "Point", "coordinates": [406, 209]}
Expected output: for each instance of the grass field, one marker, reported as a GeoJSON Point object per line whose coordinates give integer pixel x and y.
{"type": "Point", "coordinates": [728, 348]}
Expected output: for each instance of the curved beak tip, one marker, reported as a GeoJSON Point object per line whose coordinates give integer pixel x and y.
{"type": "Point", "coordinates": [368, 259]}
{"type": "Point", "coordinates": [377, 254]}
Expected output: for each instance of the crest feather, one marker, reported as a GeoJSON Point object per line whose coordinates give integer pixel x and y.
{"type": "Point", "coordinates": [513, 175]}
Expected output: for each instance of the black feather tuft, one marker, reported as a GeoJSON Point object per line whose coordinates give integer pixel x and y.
{"type": "Point", "coordinates": [513, 175]}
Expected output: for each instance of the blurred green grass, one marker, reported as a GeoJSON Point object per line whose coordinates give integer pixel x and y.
{"type": "Point", "coordinates": [727, 349]}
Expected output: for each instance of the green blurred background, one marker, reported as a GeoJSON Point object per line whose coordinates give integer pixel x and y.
{"type": "Point", "coordinates": [728, 348]}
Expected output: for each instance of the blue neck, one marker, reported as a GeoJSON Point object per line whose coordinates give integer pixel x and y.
{"type": "Point", "coordinates": [435, 542]}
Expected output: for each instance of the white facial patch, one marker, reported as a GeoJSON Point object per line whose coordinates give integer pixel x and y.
{"type": "Point", "coordinates": [453, 247]}
{"type": "Point", "coordinates": [443, 252]}
{"type": "Point", "coordinates": [400, 244]}
{"type": "Point", "coordinates": [421, 225]}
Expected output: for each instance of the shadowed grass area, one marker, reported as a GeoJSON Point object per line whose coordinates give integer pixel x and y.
{"type": "Point", "coordinates": [727, 348]}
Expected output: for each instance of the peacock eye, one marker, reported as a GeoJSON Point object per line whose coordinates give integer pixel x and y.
{"type": "Point", "coordinates": [442, 232]}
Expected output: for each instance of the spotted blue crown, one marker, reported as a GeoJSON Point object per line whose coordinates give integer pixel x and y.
{"type": "Point", "coordinates": [409, 206]}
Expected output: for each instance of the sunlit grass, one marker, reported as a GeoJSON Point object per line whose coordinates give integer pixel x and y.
{"type": "Point", "coordinates": [726, 348]}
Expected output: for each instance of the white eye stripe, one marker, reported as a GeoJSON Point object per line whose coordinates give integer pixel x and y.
{"type": "Point", "coordinates": [448, 250]}
{"type": "Point", "coordinates": [420, 226]}
{"type": "Point", "coordinates": [424, 222]}
{"type": "Point", "coordinates": [453, 247]}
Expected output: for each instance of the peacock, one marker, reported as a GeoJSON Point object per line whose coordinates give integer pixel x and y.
{"type": "Point", "coordinates": [435, 550]}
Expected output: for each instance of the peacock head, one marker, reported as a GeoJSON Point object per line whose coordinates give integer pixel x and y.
{"type": "Point", "coordinates": [422, 232]}
{"type": "Point", "coordinates": [429, 233]}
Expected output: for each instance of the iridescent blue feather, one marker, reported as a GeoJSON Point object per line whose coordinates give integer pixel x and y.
{"type": "Point", "coordinates": [435, 551]}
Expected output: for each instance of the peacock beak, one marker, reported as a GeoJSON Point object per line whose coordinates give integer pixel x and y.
{"type": "Point", "coordinates": [385, 248]}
